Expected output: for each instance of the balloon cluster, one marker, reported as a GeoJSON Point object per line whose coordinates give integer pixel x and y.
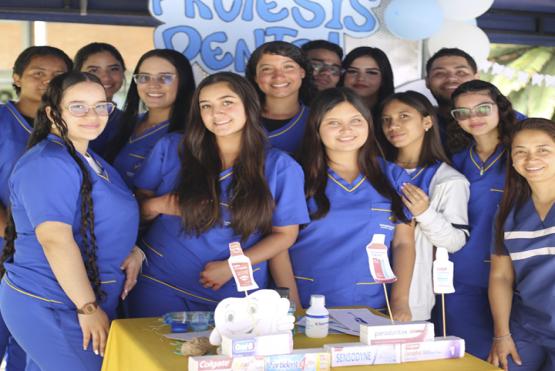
{"type": "Point", "coordinates": [443, 23]}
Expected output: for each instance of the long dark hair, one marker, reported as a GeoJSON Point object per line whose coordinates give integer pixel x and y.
{"type": "Point", "coordinates": [178, 115]}
{"type": "Point", "coordinates": [387, 86]}
{"type": "Point", "coordinates": [432, 149]}
{"type": "Point", "coordinates": [285, 49]}
{"type": "Point", "coordinates": [517, 190]}
{"type": "Point", "coordinates": [53, 98]}
{"type": "Point", "coordinates": [250, 201]}
{"type": "Point", "coordinates": [457, 138]}
{"type": "Point", "coordinates": [314, 160]}
{"type": "Point", "coordinates": [95, 48]}
{"type": "Point", "coordinates": [25, 57]}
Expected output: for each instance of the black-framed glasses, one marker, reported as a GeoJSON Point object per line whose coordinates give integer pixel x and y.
{"type": "Point", "coordinates": [481, 110]}
{"type": "Point", "coordinates": [78, 109]}
{"type": "Point", "coordinates": [320, 67]}
{"type": "Point", "coordinates": [161, 78]}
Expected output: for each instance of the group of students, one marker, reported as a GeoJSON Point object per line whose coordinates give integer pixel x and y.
{"type": "Point", "coordinates": [101, 205]}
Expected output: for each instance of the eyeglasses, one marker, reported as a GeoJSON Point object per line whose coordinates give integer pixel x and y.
{"type": "Point", "coordinates": [162, 78]}
{"type": "Point", "coordinates": [481, 110]}
{"type": "Point", "coordinates": [81, 109]}
{"type": "Point", "coordinates": [320, 67]}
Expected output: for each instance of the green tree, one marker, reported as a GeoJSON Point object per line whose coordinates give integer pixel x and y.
{"type": "Point", "coordinates": [532, 99]}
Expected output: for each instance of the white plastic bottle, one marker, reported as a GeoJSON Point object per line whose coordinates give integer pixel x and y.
{"type": "Point", "coordinates": [317, 317]}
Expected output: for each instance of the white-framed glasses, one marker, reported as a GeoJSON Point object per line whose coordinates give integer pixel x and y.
{"type": "Point", "coordinates": [78, 109]}
{"type": "Point", "coordinates": [161, 78]}
{"type": "Point", "coordinates": [481, 110]}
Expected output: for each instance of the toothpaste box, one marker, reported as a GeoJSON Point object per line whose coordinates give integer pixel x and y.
{"type": "Point", "coordinates": [439, 348]}
{"type": "Point", "coordinates": [316, 359]}
{"type": "Point", "coordinates": [264, 345]}
{"type": "Point", "coordinates": [397, 333]}
{"type": "Point", "coordinates": [225, 363]}
{"type": "Point", "coordinates": [358, 354]}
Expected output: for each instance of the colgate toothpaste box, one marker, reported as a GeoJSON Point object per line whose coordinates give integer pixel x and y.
{"type": "Point", "coordinates": [265, 345]}
{"type": "Point", "coordinates": [225, 363]}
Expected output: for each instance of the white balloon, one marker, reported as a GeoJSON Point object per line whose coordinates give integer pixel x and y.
{"type": "Point", "coordinates": [467, 37]}
{"type": "Point", "coordinates": [464, 9]}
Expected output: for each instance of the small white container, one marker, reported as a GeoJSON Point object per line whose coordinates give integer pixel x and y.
{"type": "Point", "coordinates": [317, 317]}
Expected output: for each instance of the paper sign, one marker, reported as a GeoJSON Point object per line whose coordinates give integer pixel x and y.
{"type": "Point", "coordinates": [241, 268]}
{"type": "Point", "coordinates": [378, 260]}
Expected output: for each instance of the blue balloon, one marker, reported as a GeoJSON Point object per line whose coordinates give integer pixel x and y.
{"type": "Point", "coordinates": [413, 20]}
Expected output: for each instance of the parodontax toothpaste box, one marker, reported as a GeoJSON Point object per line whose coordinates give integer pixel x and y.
{"type": "Point", "coordinates": [358, 354]}
{"type": "Point", "coordinates": [264, 345]}
{"type": "Point", "coordinates": [397, 333]}
{"type": "Point", "coordinates": [439, 348]}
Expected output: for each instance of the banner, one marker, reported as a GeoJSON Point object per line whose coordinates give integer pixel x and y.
{"type": "Point", "coordinates": [221, 34]}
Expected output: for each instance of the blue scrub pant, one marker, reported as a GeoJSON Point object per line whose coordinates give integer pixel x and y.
{"type": "Point", "coordinates": [15, 356]}
{"type": "Point", "coordinates": [49, 333]}
{"type": "Point", "coordinates": [535, 355]}
{"type": "Point", "coordinates": [153, 299]}
{"type": "Point", "coordinates": [468, 316]}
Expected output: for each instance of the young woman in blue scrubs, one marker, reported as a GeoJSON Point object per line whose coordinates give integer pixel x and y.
{"type": "Point", "coordinates": [368, 72]}
{"type": "Point", "coordinates": [218, 183]}
{"type": "Point", "coordinates": [163, 82]}
{"type": "Point", "coordinates": [105, 62]}
{"type": "Point", "coordinates": [521, 283]}
{"type": "Point", "coordinates": [282, 75]}
{"type": "Point", "coordinates": [65, 267]}
{"type": "Point", "coordinates": [32, 71]}
{"type": "Point", "coordinates": [485, 118]}
{"type": "Point", "coordinates": [351, 194]}
{"type": "Point", "coordinates": [437, 195]}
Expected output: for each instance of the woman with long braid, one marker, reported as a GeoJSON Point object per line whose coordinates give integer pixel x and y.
{"type": "Point", "coordinates": [69, 251]}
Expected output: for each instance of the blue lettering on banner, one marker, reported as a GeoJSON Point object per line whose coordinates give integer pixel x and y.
{"type": "Point", "coordinates": [221, 34]}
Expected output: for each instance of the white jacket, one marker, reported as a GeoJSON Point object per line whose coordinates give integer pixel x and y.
{"type": "Point", "coordinates": [449, 194]}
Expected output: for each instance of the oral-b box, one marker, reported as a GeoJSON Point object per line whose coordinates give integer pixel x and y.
{"type": "Point", "coordinates": [358, 354]}
{"type": "Point", "coordinates": [316, 359]}
{"type": "Point", "coordinates": [439, 348]}
{"type": "Point", "coordinates": [397, 333]}
{"type": "Point", "coordinates": [225, 363]}
{"type": "Point", "coordinates": [264, 345]}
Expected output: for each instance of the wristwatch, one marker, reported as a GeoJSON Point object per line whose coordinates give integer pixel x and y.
{"type": "Point", "coordinates": [88, 308]}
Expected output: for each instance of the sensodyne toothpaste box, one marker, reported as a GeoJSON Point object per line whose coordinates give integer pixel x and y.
{"type": "Point", "coordinates": [439, 348]}
{"type": "Point", "coordinates": [397, 333]}
{"type": "Point", "coordinates": [264, 345]}
{"type": "Point", "coordinates": [358, 354]}
{"type": "Point", "coordinates": [225, 363]}
{"type": "Point", "coordinates": [316, 359]}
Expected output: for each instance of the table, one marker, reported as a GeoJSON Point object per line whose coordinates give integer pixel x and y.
{"type": "Point", "coordinates": [139, 344]}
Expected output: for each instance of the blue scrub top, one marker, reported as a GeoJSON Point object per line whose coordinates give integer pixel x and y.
{"type": "Point", "coordinates": [131, 157]}
{"type": "Point", "coordinates": [176, 258]}
{"type": "Point", "coordinates": [14, 134]}
{"type": "Point", "coordinates": [288, 138]}
{"type": "Point", "coordinates": [100, 144]}
{"type": "Point", "coordinates": [487, 180]}
{"type": "Point", "coordinates": [422, 176]}
{"type": "Point", "coordinates": [330, 257]}
{"type": "Point", "coordinates": [45, 186]}
{"type": "Point", "coordinates": [529, 242]}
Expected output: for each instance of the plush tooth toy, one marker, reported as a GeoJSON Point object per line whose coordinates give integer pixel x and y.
{"type": "Point", "coordinates": [263, 312]}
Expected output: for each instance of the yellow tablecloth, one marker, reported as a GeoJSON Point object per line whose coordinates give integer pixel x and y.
{"type": "Point", "coordinates": [139, 344]}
